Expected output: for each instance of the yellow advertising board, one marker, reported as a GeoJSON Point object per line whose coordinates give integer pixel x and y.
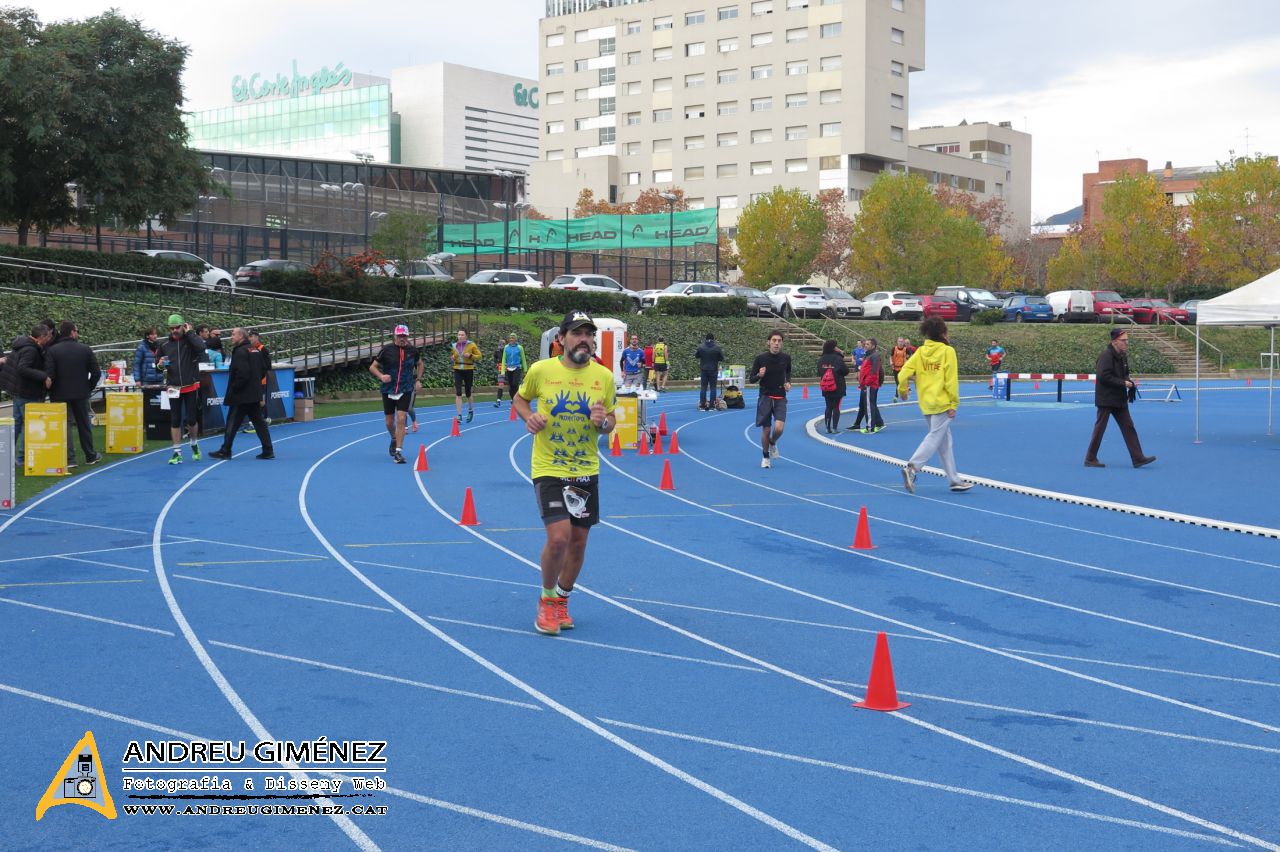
{"type": "Point", "coordinates": [627, 412]}
{"type": "Point", "coordinates": [45, 439]}
{"type": "Point", "coordinates": [124, 422]}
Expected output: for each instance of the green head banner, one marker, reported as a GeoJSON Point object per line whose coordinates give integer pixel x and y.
{"type": "Point", "coordinates": [591, 233]}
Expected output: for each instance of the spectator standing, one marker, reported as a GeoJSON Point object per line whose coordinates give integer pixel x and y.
{"type": "Point", "coordinates": [631, 362]}
{"type": "Point", "coordinates": [832, 386]}
{"type": "Point", "coordinates": [709, 356]}
{"type": "Point", "coordinates": [145, 371]}
{"type": "Point", "coordinates": [897, 358]}
{"type": "Point", "coordinates": [398, 366]}
{"type": "Point", "coordinates": [660, 364]}
{"type": "Point", "coordinates": [497, 368]}
{"type": "Point", "coordinates": [870, 378]}
{"type": "Point", "coordinates": [772, 370]}
{"type": "Point", "coordinates": [1112, 393]}
{"type": "Point", "coordinates": [244, 396]}
{"type": "Point", "coordinates": [995, 357]}
{"type": "Point", "coordinates": [180, 358]}
{"type": "Point", "coordinates": [859, 352]}
{"type": "Point", "coordinates": [74, 373]}
{"type": "Point", "coordinates": [24, 377]}
{"type": "Point", "coordinates": [512, 365]}
{"type": "Point", "coordinates": [464, 356]}
{"type": "Point", "coordinates": [938, 393]}
{"type": "Point", "coordinates": [648, 366]}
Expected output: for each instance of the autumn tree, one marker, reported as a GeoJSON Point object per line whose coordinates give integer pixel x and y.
{"type": "Point", "coordinates": [833, 255]}
{"type": "Point", "coordinates": [993, 215]}
{"type": "Point", "coordinates": [1139, 235]}
{"type": "Point", "coordinates": [779, 235]}
{"type": "Point", "coordinates": [1235, 221]}
{"type": "Point", "coordinates": [1078, 263]}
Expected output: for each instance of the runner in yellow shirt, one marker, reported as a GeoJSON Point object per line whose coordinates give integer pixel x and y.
{"type": "Point", "coordinates": [660, 364]}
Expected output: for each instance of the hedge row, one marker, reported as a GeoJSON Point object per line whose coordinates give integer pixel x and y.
{"type": "Point", "coordinates": [98, 322]}
{"type": "Point", "coordinates": [137, 264]}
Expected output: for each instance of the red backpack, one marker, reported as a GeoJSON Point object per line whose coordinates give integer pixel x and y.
{"type": "Point", "coordinates": [827, 384]}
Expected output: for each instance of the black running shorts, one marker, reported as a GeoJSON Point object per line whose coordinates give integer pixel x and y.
{"type": "Point", "coordinates": [575, 499]}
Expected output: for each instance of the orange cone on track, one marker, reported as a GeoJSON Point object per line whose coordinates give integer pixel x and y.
{"type": "Point", "coordinates": [806, 392]}
{"type": "Point", "coordinates": [881, 693]}
{"type": "Point", "coordinates": [468, 512]}
{"type": "Point", "coordinates": [616, 448]}
{"type": "Point", "coordinates": [657, 443]}
{"type": "Point", "coordinates": [455, 431]}
{"type": "Point", "coordinates": [667, 484]}
{"type": "Point", "coordinates": [421, 464]}
{"type": "Point", "coordinates": [643, 444]}
{"type": "Point", "coordinates": [662, 424]}
{"type": "Point", "coordinates": [1248, 382]}
{"type": "Point", "coordinates": [862, 537]}
{"type": "Point", "coordinates": [513, 414]}
{"type": "Point", "coordinates": [674, 449]}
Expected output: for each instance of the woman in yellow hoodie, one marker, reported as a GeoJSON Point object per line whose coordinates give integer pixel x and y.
{"type": "Point", "coordinates": [464, 357]}
{"type": "Point", "coordinates": [938, 391]}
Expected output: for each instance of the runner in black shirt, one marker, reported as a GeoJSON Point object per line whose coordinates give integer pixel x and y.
{"type": "Point", "coordinates": [772, 370]}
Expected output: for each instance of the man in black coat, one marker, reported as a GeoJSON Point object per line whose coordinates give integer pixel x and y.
{"type": "Point", "coordinates": [244, 396]}
{"type": "Point", "coordinates": [709, 356]}
{"type": "Point", "coordinates": [179, 356]}
{"type": "Point", "coordinates": [74, 373]}
{"type": "Point", "coordinates": [1112, 394]}
{"type": "Point", "coordinates": [24, 376]}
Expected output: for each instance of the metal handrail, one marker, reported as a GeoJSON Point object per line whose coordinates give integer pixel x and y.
{"type": "Point", "coordinates": [1181, 326]}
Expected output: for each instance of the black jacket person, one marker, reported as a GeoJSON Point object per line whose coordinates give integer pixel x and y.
{"type": "Point", "coordinates": [244, 396]}
{"type": "Point", "coordinates": [1111, 395]}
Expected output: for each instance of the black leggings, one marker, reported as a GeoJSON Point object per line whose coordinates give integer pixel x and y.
{"type": "Point", "coordinates": [831, 417]}
{"type": "Point", "coordinates": [462, 382]}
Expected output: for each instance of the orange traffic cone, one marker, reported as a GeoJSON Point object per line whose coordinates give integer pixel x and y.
{"type": "Point", "coordinates": [862, 538]}
{"type": "Point", "coordinates": [616, 448]}
{"type": "Point", "coordinates": [513, 414]}
{"type": "Point", "coordinates": [667, 484]}
{"type": "Point", "coordinates": [421, 464]}
{"type": "Point", "coordinates": [1248, 381]}
{"type": "Point", "coordinates": [806, 392]}
{"type": "Point", "coordinates": [455, 431]}
{"type": "Point", "coordinates": [881, 693]}
{"type": "Point", "coordinates": [674, 449]}
{"type": "Point", "coordinates": [662, 424]}
{"type": "Point", "coordinates": [644, 443]}
{"type": "Point", "coordinates": [657, 443]}
{"type": "Point", "coordinates": [1037, 387]}
{"type": "Point", "coordinates": [468, 512]}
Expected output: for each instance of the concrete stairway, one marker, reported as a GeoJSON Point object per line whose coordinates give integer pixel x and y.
{"type": "Point", "coordinates": [1180, 353]}
{"type": "Point", "coordinates": [798, 336]}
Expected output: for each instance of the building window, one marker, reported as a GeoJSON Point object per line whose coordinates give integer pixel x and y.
{"type": "Point", "coordinates": [896, 68]}
{"type": "Point", "coordinates": [580, 123]}
{"type": "Point", "coordinates": [798, 132]}
{"type": "Point", "coordinates": [662, 84]}
{"type": "Point", "coordinates": [727, 108]}
{"type": "Point", "coordinates": [580, 36]}
{"type": "Point", "coordinates": [581, 64]}
{"type": "Point", "coordinates": [727, 170]}
{"type": "Point", "coordinates": [897, 36]}
{"type": "Point", "coordinates": [608, 135]}
{"type": "Point", "coordinates": [764, 167]}
{"type": "Point", "coordinates": [898, 5]}
{"type": "Point", "coordinates": [727, 202]}
{"type": "Point", "coordinates": [555, 69]}
{"type": "Point", "coordinates": [631, 179]}
{"type": "Point", "coordinates": [608, 106]}
{"type": "Point", "coordinates": [897, 101]}
{"type": "Point", "coordinates": [662, 175]}
{"type": "Point", "coordinates": [633, 27]}
{"type": "Point", "coordinates": [608, 46]}
{"type": "Point", "coordinates": [557, 154]}
{"type": "Point", "coordinates": [797, 165]}
{"type": "Point", "coordinates": [555, 40]}
{"type": "Point", "coordinates": [694, 81]}
{"type": "Point", "coordinates": [580, 94]}
{"type": "Point", "coordinates": [726, 140]}
{"type": "Point", "coordinates": [661, 54]}
{"type": "Point", "coordinates": [725, 13]}
{"type": "Point", "coordinates": [727, 45]}
{"type": "Point", "coordinates": [631, 88]}
{"type": "Point", "coordinates": [691, 18]}
{"type": "Point", "coordinates": [797, 4]}
{"type": "Point", "coordinates": [831, 30]}
{"type": "Point", "coordinates": [761, 7]}
{"type": "Point", "coordinates": [796, 67]}
{"type": "Point", "coordinates": [829, 96]}
{"type": "Point", "coordinates": [830, 63]}
{"type": "Point", "coordinates": [761, 72]}
{"type": "Point", "coordinates": [761, 137]}
{"type": "Point", "coordinates": [662, 146]}
{"type": "Point", "coordinates": [696, 203]}
{"type": "Point", "coordinates": [829, 163]}
{"type": "Point", "coordinates": [633, 119]}
{"type": "Point", "coordinates": [695, 143]}
{"type": "Point", "coordinates": [694, 112]}
{"type": "Point", "coordinates": [631, 149]}
{"type": "Point", "coordinates": [608, 75]}
{"type": "Point", "coordinates": [797, 100]}
{"type": "Point", "coordinates": [695, 48]}
{"type": "Point", "coordinates": [761, 104]}
{"type": "Point", "coordinates": [830, 128]}
{"type": "Point", "coordinates": [555, 98]}
{"type": "Point", "coordinates": [947, 148]}
{"type": "Point", "coordinates": [895, 133]}
{"type": "Point", "coordinates": [579, 152]}
{"type": "Point", "coordinates": [829, 3]}
{"type": "Point", "coordinates": [661, 116]}
{"type": "Point", "coordinates": [555, 127]}
{"type": "Point", "coordinates": [797, 34]}
{"type": "Point", "coordinates": [693, 173]}
{"type": "Point", "coordinates": [663, 23]}
{"type": "Point", "coordinates": [631, 58]}
{"type": "Point", "coordinates": [729, 75]}
{"type": "Point", "coordinates": [761, 39]}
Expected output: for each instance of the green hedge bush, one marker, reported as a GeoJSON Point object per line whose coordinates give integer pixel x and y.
{"type": "Point", "coordinates": [137, 264]}
{"type": "Point", "coordinates": [733, 306]}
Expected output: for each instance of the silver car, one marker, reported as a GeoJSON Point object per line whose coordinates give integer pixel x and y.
{"type": "Point", "coordinates": [595, 284]}
{"type": "Point", "coordinates": [841, 304]}
{"type": "Point", "coordinates": [794, 300]}
{"type": "Point", "coordinates": [506, 277]}
{"type": "Point", "coordinates": [758, 303]}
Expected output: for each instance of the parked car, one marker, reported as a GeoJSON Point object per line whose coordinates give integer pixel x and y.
{"type": "Point", "coordinates": [796, 300]}
{"type": "Point", "coordinates": [969, 300]}
{"type": "Point", "coordinates": [841, 304]}
{"type": "Point", "coordinates": [1190, 306]}
{"type": "Point", "coordinates": [418, 270]}
{"type": "Point", "coordinates": [1072, 306]}
{"type": "Point", "coordinates": [894, 305]}
{"type": "Point", "coordinates": [1156, 311]}
{"type": "Point", "coordinates": [213, 278]}
{"type": "Point", "coordinates": [506, 277]}
{"type": "Point", "coordinates": [595, 284]}
{"type": "Point", "coordinates": [758, 304]}
{"type": "Point", "coordinates": [936, 306]}
{"type": "Point", "coordinates": [1111, 307]}
{"type": "Point", "coordinates": [699, 289]}
{"type": "Point", "coordinates": [250, 275]}
{"type": "Point", "coordinates": [1027, 309]}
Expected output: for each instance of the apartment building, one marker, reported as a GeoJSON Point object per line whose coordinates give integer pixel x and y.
{"type": "Point", "coordinates": [988, 160]}
{"type": "Point", "coordinates": [724, 98]}
{"type": "Point", "coordinates": [1178, 184]}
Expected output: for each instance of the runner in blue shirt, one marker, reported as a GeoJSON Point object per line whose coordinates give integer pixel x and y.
{"type": "Point", "coordinates": [632, 363]}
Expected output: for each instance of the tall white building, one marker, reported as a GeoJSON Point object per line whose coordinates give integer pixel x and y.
{"type": "Point", "coordinates": [728, 99]}
{"type": "Point", "coordinates": [988, 160]}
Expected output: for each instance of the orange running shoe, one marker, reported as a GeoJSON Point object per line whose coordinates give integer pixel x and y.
{"type": "Point", "coordinates": [548, 620]}
{"type": "Point", "coordinates": [566, 622]}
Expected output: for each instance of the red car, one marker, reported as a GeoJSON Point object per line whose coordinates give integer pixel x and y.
{"type": "Point", "coordinates": [1110, 307]}
{"type": "Point", "coordinates": [934, 306]}
{"type": "Point", "coordinates": [1147, 311]}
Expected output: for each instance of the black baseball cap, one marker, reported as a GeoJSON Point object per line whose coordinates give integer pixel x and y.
{"type": "Point", "coordinates": [1116, 332]}
{"type": "Point", "coordinates": [576, 319]}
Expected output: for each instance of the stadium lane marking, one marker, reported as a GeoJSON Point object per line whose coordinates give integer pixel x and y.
{"type": "Point", "coordinates": [393, 791]}
{"type": "Point", "coordinates": [918, 782]}
{"type": "Point", "coordinates": [14, 559]}
{"type": "Point", "coordinates": [528, 689]}
{"type": "Point", "coordinates": [441, 573]}
{"type": "Point", "coordinates": [87, 617]}
{"type": "Point", "coordinates": [405, 543]}
{"type": "Point", "coordinates": [250, 561]}
{"type": "Point", "coordinates": [66, 583]}
{"type": "Point", "coordinates": [278, 592]}
{"type": "Point", "coordinates": [102, 564]}
{"type": "Point", "coordinates": [1155, 669]}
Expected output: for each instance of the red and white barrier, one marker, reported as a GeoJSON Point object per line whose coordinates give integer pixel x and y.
{"type": "Point", "coordinates": [1073, 377]}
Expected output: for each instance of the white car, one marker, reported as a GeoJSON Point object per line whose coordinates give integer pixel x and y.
{"type": "Point", "coordinates": [418, 270]}
{"type": "Point", "coordinates": [701, 289]}
{"type": "Point", "coordinates": [506, 277]}
{"type": "Point", "coordinates": [595, 284]}
{"type": "Point", "coordinates": [895, 305]}
{"type": "Point", "coordinates": [213, 278]}
{"type": "Point", "coordinates": [841, 304]}
{"type": "Point", "coordinates": [795, 300]}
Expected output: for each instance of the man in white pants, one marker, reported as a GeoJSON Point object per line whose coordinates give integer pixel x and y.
{"type": "Point", "coordinates": [938, 392]}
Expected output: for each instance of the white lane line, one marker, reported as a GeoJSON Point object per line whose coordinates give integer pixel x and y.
{"type": "Point", "coordinates": [440, 573]}
{"type": "Point", "coordinates": [1006, 548]}
{"type": "Point", "coordinates": [900, 623]}
{"type": "Point", "coordinates": [88, 526]}
{"type": "Point", "coordinates": [1156, 669]}
{"type": "Point", "coordinates": [824, 625]}
{"type": "Point", "coordinates": [349, 828]}
{"type": "Point", "coordinates": [917, 782]}
{"type": "Point", "coordinates": [278, 592]}
{"type": "Point", "coordinates": [41, 556]}
{"type": "Point", "coordinates": [87, 617]}
{"type": "Point", "coordinates": [572, 715]}
{"type": "Point", "coordinates": [906, 717]}
{"type": "Point", "coordinates": [393, 791]}
{"type": "Point", "coordinates": [102, 564]}
{"type": "Point", "coordinates": [376, 676]}
{"type": "Point", "coordinates": [1079, 720]}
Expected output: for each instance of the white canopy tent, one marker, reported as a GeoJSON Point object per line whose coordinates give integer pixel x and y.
{"type": "Point", "coordinates": [1253, 304]}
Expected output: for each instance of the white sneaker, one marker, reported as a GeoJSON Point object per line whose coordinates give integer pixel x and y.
{"type": "Point", "coordinates": [764, 463]}
{"type": "Point", "coordinates": [961, 486]}
{"type": "Point", "coordinates": [909, 479]}
{"type": "Point", "coordinates": [773, 451]}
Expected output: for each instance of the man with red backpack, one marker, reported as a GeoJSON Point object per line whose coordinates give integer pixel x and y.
{"type": "Point", "coordinates": [870, 378]}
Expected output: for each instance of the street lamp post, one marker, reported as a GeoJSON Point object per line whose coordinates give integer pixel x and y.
{"type": "Point", "coordinates": [366, 158]}
{"type": "Point", "coordinates": [213, 171]}
{"type": "Point", "coordinates": [506, 212]}
{"type": "Point", "coordinates": [670, 198]}
{"type": "Point", "coordinates": [329, 189]}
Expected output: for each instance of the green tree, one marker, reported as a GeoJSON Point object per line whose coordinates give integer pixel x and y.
{"type": "Point", "coordinates": [1078, 263]}
{"type": "Point", "coordinates": [96, 103]}
{"type": "Point", "coordinates": [779, 235]}
{"type": "Point", "coordinates": [1139, 235]}
{"type": "Point", "coordinates": [405, 236]}
{"type": "Point", "coordinates": [1235, 221]}
{"type": "Point", "coordinates": [896, 236]}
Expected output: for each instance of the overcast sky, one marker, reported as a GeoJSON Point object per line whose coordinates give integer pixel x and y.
{"type": "Point", "coordinates": [1184, 80]}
